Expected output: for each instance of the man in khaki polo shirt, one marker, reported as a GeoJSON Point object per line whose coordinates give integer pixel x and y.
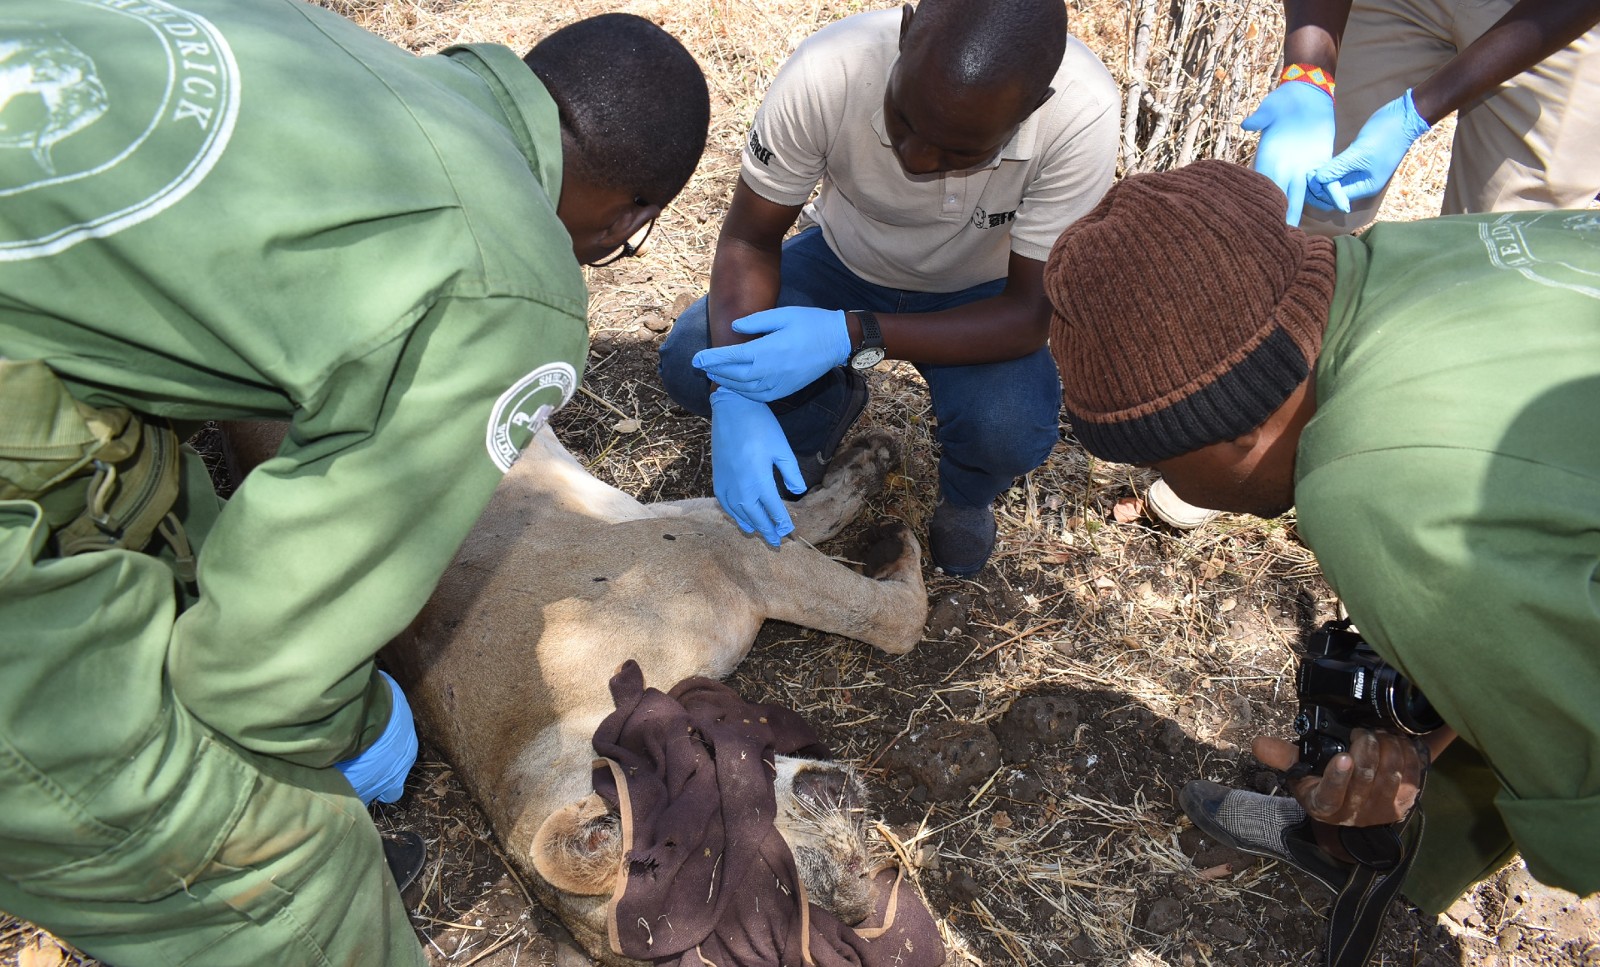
{"type": "Point", "coordinates": [1523, 75]}
{"type": "Point", "coordinates": [953, 144]}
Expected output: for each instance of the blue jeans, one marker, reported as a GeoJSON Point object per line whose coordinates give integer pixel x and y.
{"type": "Point", "coordinates": [996, 421]}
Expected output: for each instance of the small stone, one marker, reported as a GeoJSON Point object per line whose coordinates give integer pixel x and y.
{"type": "Point", "coordinates": [1463, 912]}
{"type": "Point", "coordinates": [1510, 938]}
{"type": "Point", "coordinates": [1025, 789]}
{"type": "Point", "coordinates": [1228, 930]}
{"type": "Point", "coordinates": [1192, 841]}
{"type": "Point", "coordinates": [948, 619]}
{"type": "Point", "coordinates": [963, 888]}
{"type": "Point", "coordinates": [1172, 736]}
{"type": "Point", "coordinates": [1165, 916]}
{"type": "Point", "coordinates": [964, 699]}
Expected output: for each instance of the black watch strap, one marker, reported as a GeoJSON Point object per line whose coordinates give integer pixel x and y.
{"type": "Point", "coordinates": [871, 335]}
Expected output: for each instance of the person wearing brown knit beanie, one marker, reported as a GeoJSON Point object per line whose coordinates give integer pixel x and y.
{"type": "Point", "coordinates": [1422, 396]}
{"type": "Point", "coordinates": [1226, 309]}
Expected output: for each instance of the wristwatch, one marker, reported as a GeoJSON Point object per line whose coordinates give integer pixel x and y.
{"type": "Point", "coordinates": [870, 352]}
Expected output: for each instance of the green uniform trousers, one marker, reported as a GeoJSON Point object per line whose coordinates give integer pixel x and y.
{"type": "Point", "coordinates": [131, 829]}
{"type": "Point", "coordinates": [1465, 839]}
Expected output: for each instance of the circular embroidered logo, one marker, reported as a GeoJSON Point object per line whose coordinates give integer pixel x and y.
{"type": "Point", "coordinates": [111, 111]}
{"type": "Point", "coordinates": [525, 408]}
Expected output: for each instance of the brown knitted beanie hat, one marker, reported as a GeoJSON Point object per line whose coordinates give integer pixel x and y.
{"type": "Point", "coordinates": [1186, 311]}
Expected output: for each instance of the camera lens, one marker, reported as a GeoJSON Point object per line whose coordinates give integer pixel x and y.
{"type": "Point", "coordinates": [1402, 705]}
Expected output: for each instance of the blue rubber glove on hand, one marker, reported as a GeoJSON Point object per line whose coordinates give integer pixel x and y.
{"type": "Point", "coordinates": [797, 345]}
{"type": "Point", "coordinates": [380, 772]}
{"type": "Point", "coordinates": [746, 445]}
{"type": "Point", "coordinates": [1362, 169]}
{"type": "Point", "coordinates": [1296, 125]}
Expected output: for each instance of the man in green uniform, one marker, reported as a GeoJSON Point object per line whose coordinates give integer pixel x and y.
{"type": "Point", "coordinates": [1425, 396]}
{"type": "Point", "coordinates": [251, 211]}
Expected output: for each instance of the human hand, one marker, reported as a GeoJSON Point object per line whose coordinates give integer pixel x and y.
{"type": "Point", "coordinates": [380, 772]}
{"type": "Point", "coordinates": [1362, 169]}
{"type": "Point", "coordinates": [797, 346]}
{"type": "Point", "coordinates": [1375, 783]}
{"type": "Point", "coordinates": [746, 445]}
{"type": "Point", "coordinates": [1296, 125]}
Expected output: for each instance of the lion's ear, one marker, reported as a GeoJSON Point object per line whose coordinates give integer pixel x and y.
{"type": "Point", "coordinates": [579, 847]}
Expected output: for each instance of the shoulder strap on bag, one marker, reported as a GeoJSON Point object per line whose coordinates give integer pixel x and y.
{"type": "Point", "coordinates": [1383, 858]}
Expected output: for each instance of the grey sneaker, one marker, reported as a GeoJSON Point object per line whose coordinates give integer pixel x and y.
{"type": "Point", "coordinates": [1271, 826]}
{"type": "Point", "coordinates": [961, 538]}
{"type": "Point", "coordinates": [814, 466]}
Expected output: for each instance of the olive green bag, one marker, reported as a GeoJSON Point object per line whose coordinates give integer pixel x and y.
{"type": "Point", "coordinates": [105, 476]}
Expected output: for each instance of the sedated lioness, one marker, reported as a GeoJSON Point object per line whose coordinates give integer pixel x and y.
{"type": "Point", "coordinates": [562, 580]}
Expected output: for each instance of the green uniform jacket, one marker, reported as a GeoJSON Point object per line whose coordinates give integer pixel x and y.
{"type": "Point", "coordinates": [1449, 484]}
{"type": "Point", "coordinates": [224, 209]}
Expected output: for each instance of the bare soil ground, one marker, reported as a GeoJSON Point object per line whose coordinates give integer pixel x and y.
{"type": "Point", "coordinates": [1026, 756]}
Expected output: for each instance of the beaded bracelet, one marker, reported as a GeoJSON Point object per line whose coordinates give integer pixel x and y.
{"type": "Point", "coordinates": [1310, 74]}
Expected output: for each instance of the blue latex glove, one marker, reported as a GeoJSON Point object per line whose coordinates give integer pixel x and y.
{"type": "Point", "coordinates": [746, 444]}
{"type": "Point", "coordinates": [380, 772]}
{"type": "Point", "coordinates": [798, 344]}
{"type": "Point", "coordinates": [1362, 169]}
{"type": "Point", "coordinates": [1296, 125]}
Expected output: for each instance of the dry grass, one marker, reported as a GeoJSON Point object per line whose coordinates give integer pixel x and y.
{"type": "Point", "coordinates": [1176, 647]}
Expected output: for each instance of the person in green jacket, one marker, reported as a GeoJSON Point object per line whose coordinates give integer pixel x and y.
{"type": "Point", "coordinates": [1424, 396]}
{"type": "Point", "coordinates": [223, 210]}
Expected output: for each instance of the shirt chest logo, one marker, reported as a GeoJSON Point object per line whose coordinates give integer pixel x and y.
{"type": "Point", "coordinates": [1517, 242]}
{"type": "Point", "coordinates": [110, 113]}
{"type": "Point", "coordinates": [525, 408]}
{"type": "Point", "coordinates": [984, 220]}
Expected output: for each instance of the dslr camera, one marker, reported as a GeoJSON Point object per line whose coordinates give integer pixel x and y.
{"type": "Point", "coordinates": [1344, 685]}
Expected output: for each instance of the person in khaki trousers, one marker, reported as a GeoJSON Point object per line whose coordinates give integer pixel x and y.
{"type": "Point", "coordinates": [1524, 76]}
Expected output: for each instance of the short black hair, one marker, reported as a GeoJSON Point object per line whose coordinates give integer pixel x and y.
{"type": "Point", "coordinates": [980, 44]}
{"type": "Point", "coordinates": [632, 101]}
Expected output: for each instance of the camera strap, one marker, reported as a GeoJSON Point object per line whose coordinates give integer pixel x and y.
{"type": "Point", "coordinates": [1383, 857]}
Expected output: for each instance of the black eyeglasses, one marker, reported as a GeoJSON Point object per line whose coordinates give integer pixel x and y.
{"type": "Point", "coordinates": [635, 243]}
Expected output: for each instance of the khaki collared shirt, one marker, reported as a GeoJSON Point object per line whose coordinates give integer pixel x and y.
{"type": "Point", "coordinates": [822, 121]}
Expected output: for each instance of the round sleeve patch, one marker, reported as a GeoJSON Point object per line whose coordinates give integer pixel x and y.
{"type": "Point", "coordinates": [525, 408]}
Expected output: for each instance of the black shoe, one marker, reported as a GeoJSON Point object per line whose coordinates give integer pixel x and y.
{"type": "Point", "coordinates": [814, 466]}
{"type": "Point", "coordinates": [961, 539]}
{"type": "Point", "coordinates": [403, 850]}
{"type": "Point", "coordinates": [1272, 826]}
